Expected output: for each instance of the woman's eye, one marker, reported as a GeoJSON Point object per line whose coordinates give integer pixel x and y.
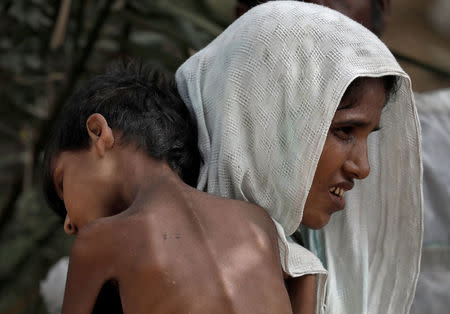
{"type": "Point", "coordinates": [344, 133]}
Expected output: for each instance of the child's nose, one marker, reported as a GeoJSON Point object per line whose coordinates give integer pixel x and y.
{"type": "Point", "coordinates": [69, 228]}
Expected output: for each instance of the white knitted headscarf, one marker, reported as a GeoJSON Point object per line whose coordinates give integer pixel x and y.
{"type": "Point", "coordinates": [264, 93]}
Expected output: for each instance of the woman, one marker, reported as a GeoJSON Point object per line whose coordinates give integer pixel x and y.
{"type": "Point", "coordinates": [265, 94]}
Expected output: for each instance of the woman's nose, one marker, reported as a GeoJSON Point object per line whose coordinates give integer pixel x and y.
{"type": "Point", "coordinates": [69, 228]}
{"type": "Point", "coordinates": [357, 165]}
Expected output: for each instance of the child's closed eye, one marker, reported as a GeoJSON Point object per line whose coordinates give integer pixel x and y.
{"type": "Point", "coordinates": [58, 182]}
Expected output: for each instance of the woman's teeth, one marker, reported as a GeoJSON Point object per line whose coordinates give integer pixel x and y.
{"type": "Point", "coordinates": [337, 191]}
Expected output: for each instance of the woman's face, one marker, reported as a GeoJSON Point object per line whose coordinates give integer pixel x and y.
{"type": "Point", "coordinates": [344, 155]}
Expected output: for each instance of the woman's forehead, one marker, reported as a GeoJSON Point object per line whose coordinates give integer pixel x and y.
{"type": "Point", "coordinates": [362, 88]}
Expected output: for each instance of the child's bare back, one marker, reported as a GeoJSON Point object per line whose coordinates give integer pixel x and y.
{"type": "Point", "coordinates": [136, 249]}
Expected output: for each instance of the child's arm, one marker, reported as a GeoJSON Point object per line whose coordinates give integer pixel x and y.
{"type": "Point", "coordinates": [302, 293]}
{"type": "Point", "coordinates": [87, 273]}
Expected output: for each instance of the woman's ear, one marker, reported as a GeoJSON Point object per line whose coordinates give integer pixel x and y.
{"type": "Point", "coordinates": [100, 134]}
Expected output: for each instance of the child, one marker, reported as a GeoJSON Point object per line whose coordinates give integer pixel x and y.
{"type": "Point", "coordinates": [114, 169]}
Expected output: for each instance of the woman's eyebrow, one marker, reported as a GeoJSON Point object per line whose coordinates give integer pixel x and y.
{"type": "Point", "coordinates": [346, 104]}
{"type": "Point", "coordinates": [358, 123]}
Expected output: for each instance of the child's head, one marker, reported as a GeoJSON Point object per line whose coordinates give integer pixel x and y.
{"type": "Point", "coordinates": [140, 104]}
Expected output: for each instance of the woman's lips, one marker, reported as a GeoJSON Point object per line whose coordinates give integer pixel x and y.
{"type": "Point", "coordinates": [337, 193]}
{"type": "Point", "coordinates": [338, 201]}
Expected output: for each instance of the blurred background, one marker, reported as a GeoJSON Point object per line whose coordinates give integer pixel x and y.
{"type": "Point", "coordinates": [49, 47]}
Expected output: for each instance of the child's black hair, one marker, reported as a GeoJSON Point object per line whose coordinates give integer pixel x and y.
{"type": "Point", "coordinates": [140, 101]}
{"type": "Point", "coordinates": [251, 3]}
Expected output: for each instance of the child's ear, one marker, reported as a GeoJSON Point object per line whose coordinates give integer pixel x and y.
{"type": "Point", "coordinates": [100, 133]}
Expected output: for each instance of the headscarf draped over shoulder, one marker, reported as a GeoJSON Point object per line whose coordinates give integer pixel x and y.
{"type": "Point", "coordinates": [264, 94]}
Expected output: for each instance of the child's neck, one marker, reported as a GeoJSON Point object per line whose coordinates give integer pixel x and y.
{"type": "Point", "coordinates": [146, 178]}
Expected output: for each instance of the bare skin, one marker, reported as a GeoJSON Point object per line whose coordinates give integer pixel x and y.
{"type": "Point", "coordinates": [139, 247]}
{"type": "Point", "coordinates": [170, 233]}
{"type": "Point", "coordinates": [302, 293]}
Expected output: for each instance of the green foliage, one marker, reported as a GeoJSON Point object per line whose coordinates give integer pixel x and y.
{"type": "Point", "coordinates": [44, 55]}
